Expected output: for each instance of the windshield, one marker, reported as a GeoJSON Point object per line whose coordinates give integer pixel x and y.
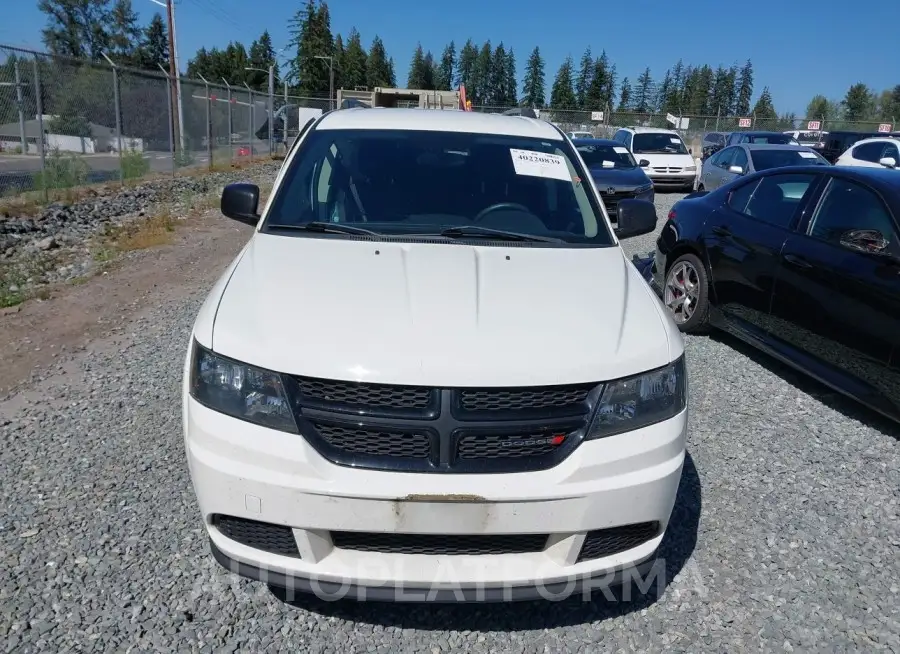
{"type": "Point", "coordinates": [406, 183]}
{"type": "Point", "coordinates": [658, 143]}
{"type": "Point", "coordinates": [607, 156]}
{"type": "Point", "coordinates": [775, 139]}
{"type": "Point", "coordinates": [763, 159]}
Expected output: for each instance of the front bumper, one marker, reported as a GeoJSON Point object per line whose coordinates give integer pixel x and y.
{"type": "Point", "coordinates": [672, 180]}
{"type": "Point", "coordinates": [252, 473]}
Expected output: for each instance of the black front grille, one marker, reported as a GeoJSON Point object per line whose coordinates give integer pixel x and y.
{"type": "Point", "coordinates": [373, 441]}
{"type": "Point", "coordinates": [363, 397]}
{"type": "Point", "coordinates": [606, 542]}
{"type": "Point", "coordinates": [438, 544]}
{"type": "Point", "coordinates": [444, 430]}
{"type": "Point", "coordinates": [523, 399]}
{"type": "Point", "coordinates": [275, 539]}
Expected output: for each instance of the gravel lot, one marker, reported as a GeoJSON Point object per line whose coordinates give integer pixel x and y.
{"type": "Point", "coordinates": [786, 535]}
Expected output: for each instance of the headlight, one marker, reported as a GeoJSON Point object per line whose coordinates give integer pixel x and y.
{"type": "Point", "coordinates": [691, 169]}
{"type": "Point", "coordinates": [240, 391]}
{"type": "Point", "coordinates": [635, 402]}
{"type": "Point", "coordinates": [644, 189]}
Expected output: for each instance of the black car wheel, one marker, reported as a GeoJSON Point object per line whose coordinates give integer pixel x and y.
{"type": "Point", "coordinates": [686, 294]}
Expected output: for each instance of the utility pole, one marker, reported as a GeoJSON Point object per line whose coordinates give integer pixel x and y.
{"type": "Point", "coordinates": [173, 69]}
{"type": "Point", "coordinates": [330, 61]}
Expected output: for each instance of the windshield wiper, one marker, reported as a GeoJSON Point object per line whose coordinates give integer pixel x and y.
{"type": "Point", "coordinates": [470, 231]}
{"type": "Point", "coordinates": [329, 228]}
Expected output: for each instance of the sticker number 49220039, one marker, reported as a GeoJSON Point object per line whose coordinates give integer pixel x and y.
{"type": "Point", "coordinates": [540, 164]}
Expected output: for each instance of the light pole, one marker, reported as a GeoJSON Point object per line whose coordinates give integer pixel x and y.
{"type": "Point", "coordinates": [20, 103]}
{"type": "Point", "coordinates": [271, 72]}
{"type": "Point", "coordinates": [173, 65]}
{"type": "Point", "coordinates": [330, 61]}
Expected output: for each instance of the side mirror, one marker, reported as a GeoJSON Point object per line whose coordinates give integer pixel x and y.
{"type": "Point", "coordinates": [240, 202]}
{"type": "Point", "coordinates": [888, 162]}
{"type": "Point", "coordinates": [643, 163]}
{"type": "Point", "coordinates": [635, 217]}
{"type": "Point", "coordinates": [737, 170]}
{"type": "Point", "coordinates": [690, 150]}
{"type": "Point", "coordinates": [865, 240]}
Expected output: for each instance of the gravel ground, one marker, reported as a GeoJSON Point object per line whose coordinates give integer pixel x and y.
{"type": "Point", "coordinates": [785, 537]}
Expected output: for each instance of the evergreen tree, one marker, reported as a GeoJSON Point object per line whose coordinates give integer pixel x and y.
{"type": "Point", "coordinates": [719, 100]}
{"type": "Point", "coordinates": [675, 97]}
{"type": "Point", "coordinates": [262, 55]}
{"type": "Point", "coordinates": [562, 95]}
{"type": "Point", "coordinates": [465, 73]}
{"type": "Point", "coordinates": [124, 34]}
{"type": "Point", "coordinates": [498, 78]}
{"type": "Point", "coordinates": [819, 107]}
{"type": "Point", "coordinates": [447, 68]}
{"type": "Point", "coordinates": [75, 28]}
{"type": "Point", "coordinates": [430, 69]}
{"type": "Point", "coordinates": [744, 90]}
{"type": "Point", "coordinates": [154, 48]}
{"type": "Point", "coordinates": [533, 90]}
{"type": "Point", "coordinates": [482, 82]}
{"type": "Point", "coordinates": [610, 93]}
{"type": "Point", "coordinates": [764, 109]}
{"type": "Point", "coordinates": [731, 89]}
{"type": "Point", "coordinates": [625, 96]}
{"type": "Point", "coordinates": [858, 103]}
{"type": "Point", "coordinates": [417, 73]}
{"type": "Point", "coordinates": [311, 36]}
{"type": "Point", "coordinates": [585, 75]}
{"type": "Point", "coordinates": [594, 99]}
{"type": "Point", "coordinates": [379, 69]}
{"type": "Point", "coordinates": [354, 66]}
{"type": "Point", "coordinates": [512, 85]}
{"type": "Point", "coordinates": [665, 93]}
{"type": "Point", "coordinates": [644, 94]}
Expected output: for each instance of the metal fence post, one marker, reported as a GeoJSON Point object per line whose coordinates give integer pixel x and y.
{"type": "Point", "coordinates": [40, 120]}
{"type": "Point", "coordinates": [171, 117]}
{"type": "Point", "coordinates": [250, 131]}
{"type": "Point", "coordinates": [20, 100]}
{"type": "Point", "coordinates": [230, 123]}
{"type": "Point", "coordinates": [209, 148]}
{"type": "Point", "coordinates": [115, 72]}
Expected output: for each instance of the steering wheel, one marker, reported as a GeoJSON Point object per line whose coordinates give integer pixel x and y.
{"type": "Point", "coordinates": [500, 206]}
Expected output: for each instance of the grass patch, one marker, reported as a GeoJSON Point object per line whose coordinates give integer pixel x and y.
{"type": "Point", "coordinates": [143, 234]}
{"type": "Point", "coordinates": [134, 166]}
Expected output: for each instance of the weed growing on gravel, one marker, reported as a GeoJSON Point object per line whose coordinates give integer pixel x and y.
{"type": "Point", "coordinates": [134, 166]}
{"type": "Point", "coordinates": [142, 234]}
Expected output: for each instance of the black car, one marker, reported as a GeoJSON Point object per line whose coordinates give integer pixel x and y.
{"type": "Point", "coordinates": [770, 138]}
{"type": "Point", "coordinates": [837, 143]}
{"type": "Point", "coordinates": [803, 263]}
{"type": "Point", "coordinates": [712, 143]}
{"type": "Point", "coordinates": [615, 172]}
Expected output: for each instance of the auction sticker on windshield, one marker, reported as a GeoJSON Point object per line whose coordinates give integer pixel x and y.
{"type": "Point", "coordinates": [620, 149]}
{"type": "Point", "coordinates": [807, 155]}
{"type": "Point", "coordinates": [540, 164]}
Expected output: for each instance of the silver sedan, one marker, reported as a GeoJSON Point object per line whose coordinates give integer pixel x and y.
{"type": "Point", "coordinates": [730, 163]}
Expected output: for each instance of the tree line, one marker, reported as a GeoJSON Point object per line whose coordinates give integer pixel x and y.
{"type": "Point", "coordinates": [85, 28]}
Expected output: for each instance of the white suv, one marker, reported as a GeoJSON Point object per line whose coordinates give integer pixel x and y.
{"type": "Point", "coordinates": [668, 162]}
{"type": "Point", "coordinates": [432, 373]}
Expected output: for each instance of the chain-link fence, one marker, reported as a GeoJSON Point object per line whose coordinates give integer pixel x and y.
{"type": "Point", "coordinates": [67, 123]}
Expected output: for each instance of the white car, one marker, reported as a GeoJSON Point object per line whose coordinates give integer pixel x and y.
{"type": "Point", "coordinates": [872, 153]}
{"type": "Point", "coordinates": [432, 373]}
{"type": "Point", "coordinates": [669, 162]}
{"type": "Point", "coordinates": [580, 135]}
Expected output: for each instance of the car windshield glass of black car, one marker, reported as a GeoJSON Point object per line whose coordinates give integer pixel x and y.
{"type": "Point", "coordinates": [410, 183]}
{"type": "Point", "coordinates": [765, 159]}
{"type": "Point", "coordinates": [658, 143]}
{"type": "Point", "coordinates": [607, 156]}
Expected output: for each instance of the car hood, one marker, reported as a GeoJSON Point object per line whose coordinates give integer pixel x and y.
{"type": "Point", "coordinates": [627, 178]}
{"type": "Point", "coordinates": [440, 314]}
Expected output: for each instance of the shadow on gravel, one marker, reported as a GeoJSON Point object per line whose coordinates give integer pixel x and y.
{"type": "Point", "coordinates": [850, 408]}
{"type": "Point", "coordinates": [676, 549]}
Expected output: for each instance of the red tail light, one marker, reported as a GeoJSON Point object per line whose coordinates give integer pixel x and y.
{"type": "Point", "coordinates": [671, 214]}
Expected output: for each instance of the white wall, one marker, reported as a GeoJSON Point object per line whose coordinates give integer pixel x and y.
{"type": "Point", "coordinates": [70, 143]}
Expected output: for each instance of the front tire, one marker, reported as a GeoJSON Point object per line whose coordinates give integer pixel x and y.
{"type": "Point", "coordinates": [686, 294]}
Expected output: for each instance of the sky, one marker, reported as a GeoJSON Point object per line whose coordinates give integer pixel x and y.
{"type": "Point", "coordinates": [796, 53]}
